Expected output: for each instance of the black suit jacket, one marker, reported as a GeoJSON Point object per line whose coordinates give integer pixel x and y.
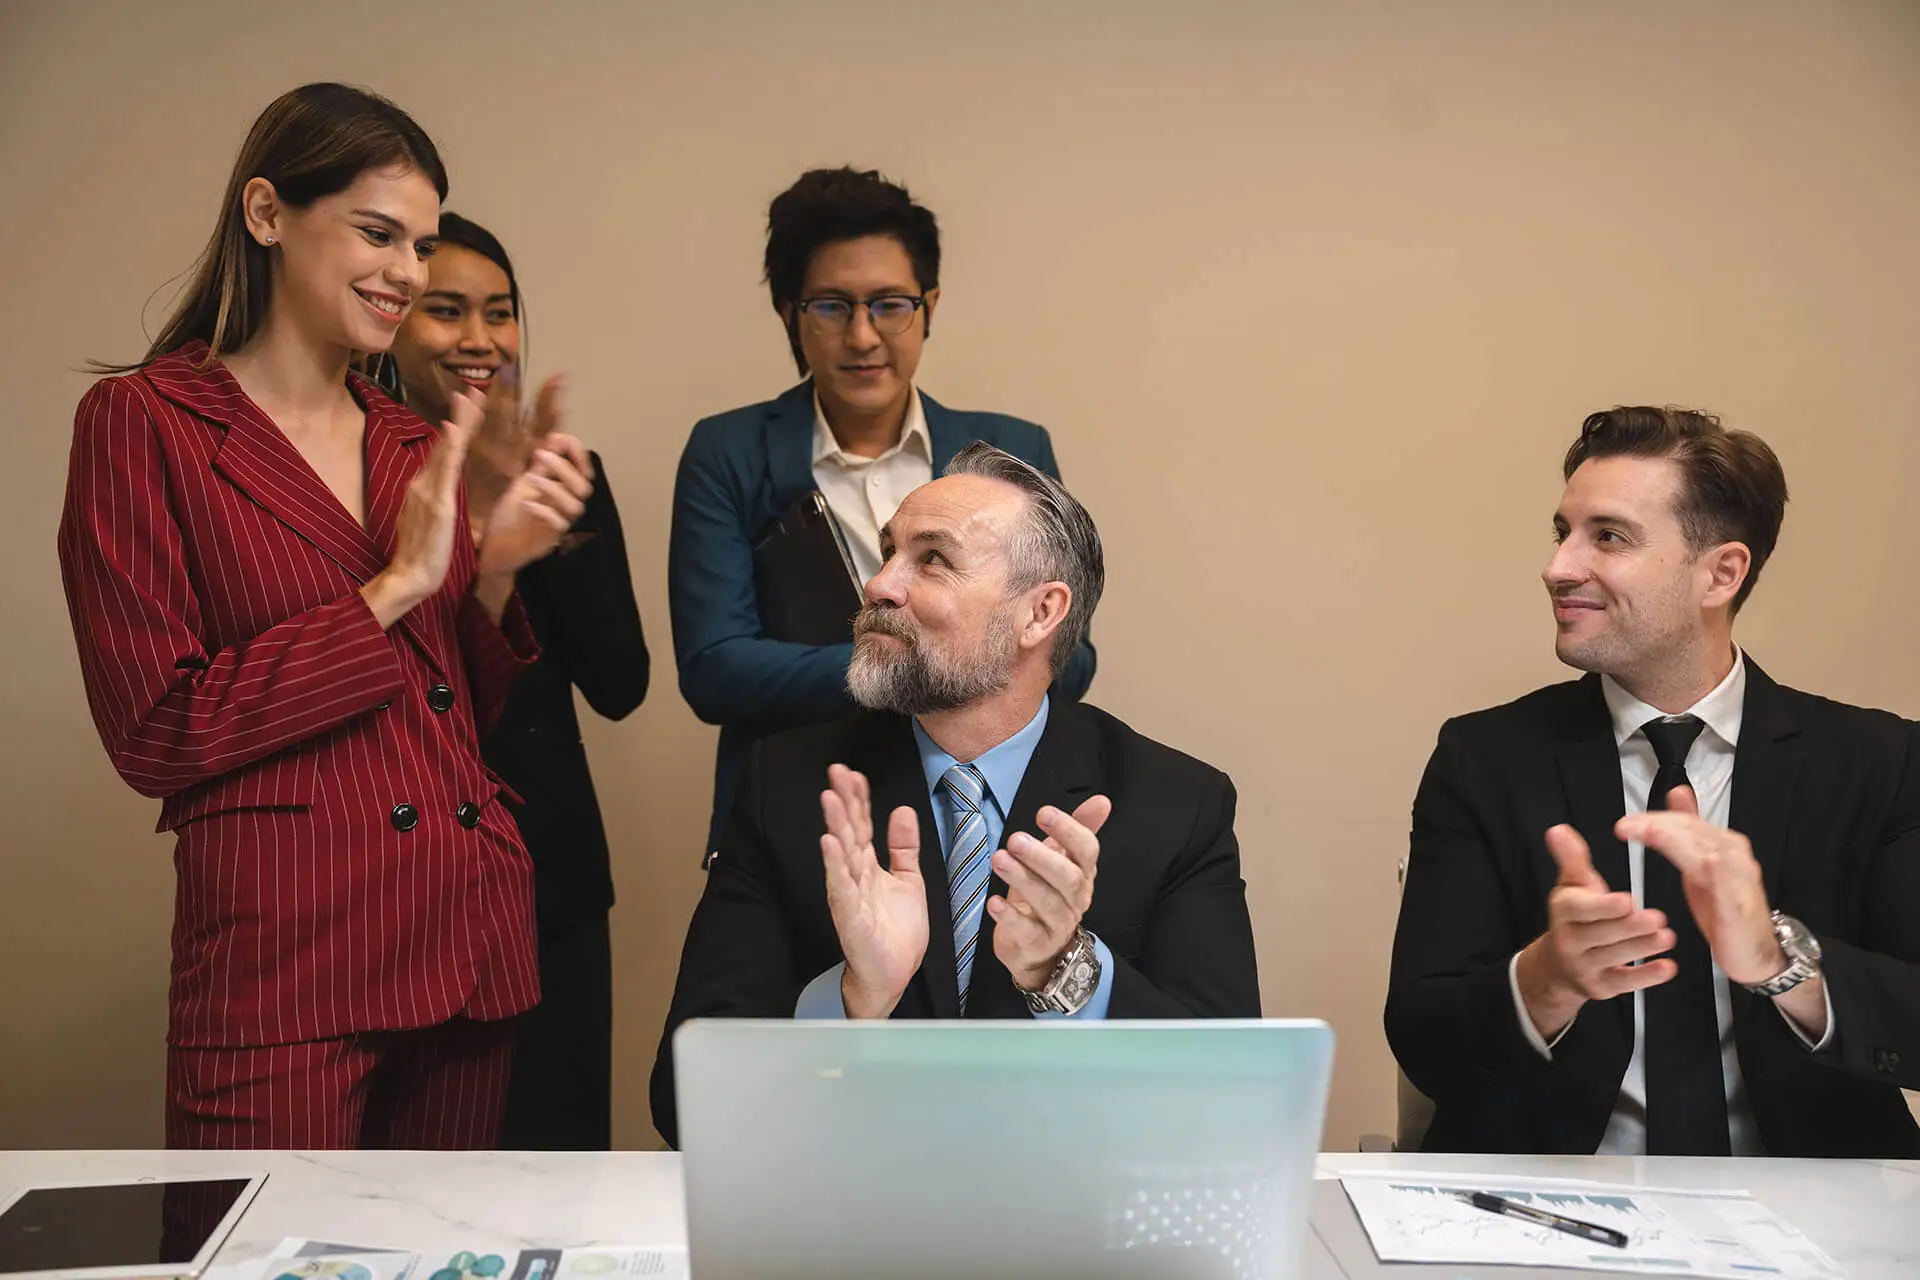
{"type": "Point", "coordinates": [1168, 899]}
{"type": "Point", "coordinates": [580, 602]}
{"type": "Point", "coordinates": [1829, 796]}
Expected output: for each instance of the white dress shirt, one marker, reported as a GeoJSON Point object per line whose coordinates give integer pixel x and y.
{"type": "Point", "coordinates": [1710, 770]}
{"type": "Point", "coordinates": [863, 493]}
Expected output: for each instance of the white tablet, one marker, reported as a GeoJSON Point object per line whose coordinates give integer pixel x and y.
{"type": "Point", "coordinates": [136, 1229]}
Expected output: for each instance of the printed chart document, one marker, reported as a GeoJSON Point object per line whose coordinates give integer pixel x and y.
{"type": "Point", "coordinates": [1725, 1235]}
{"type": "Point", "coordinates": [298, 1259]}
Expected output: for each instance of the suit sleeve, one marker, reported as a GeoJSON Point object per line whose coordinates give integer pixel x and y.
{"type": "Point", "coordinates": [729, 672]}
{"type": "Point", "coordinates": [497, 654]}
{"type": "Point", "coordinates": [595, 630]}
{"type": "Point", "coordinates": [1077, 676]}
{"type": "Point", "coordinates": [1197, 956]}
{"type": "Point", "coordinates": [171, 713]}
{"type": "Point", "coordinates": [1450, 1016]}
{"type": "Point", "coordinates": [1874, 984]}
{"type": "Point", "coordinates": [738, 959]}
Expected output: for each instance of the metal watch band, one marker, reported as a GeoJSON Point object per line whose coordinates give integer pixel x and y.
{"type": "Point", "coordinates": [1073, 981]}
{"type": "Point", "coordinates": [1802, 950]}
{"type": "Point", "coordinates": [1789, 978]}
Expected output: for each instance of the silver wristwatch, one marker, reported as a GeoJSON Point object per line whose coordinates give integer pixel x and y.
{"type": "Point", "coordinates": [1073, 982]}
{"type": "Point", "coordinates": [1803, 957]}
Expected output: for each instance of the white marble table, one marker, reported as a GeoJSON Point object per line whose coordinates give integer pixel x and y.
{"type": "Point", "coordinates": [1866, 1214]}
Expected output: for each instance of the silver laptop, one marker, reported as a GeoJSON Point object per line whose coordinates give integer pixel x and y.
{"type": "Point", "coordinates": [1043, 1149]}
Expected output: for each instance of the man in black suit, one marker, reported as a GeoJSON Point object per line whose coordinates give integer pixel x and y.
{"type": "Point", "coordinates": [988, 582]}
{"type": "Point", "coordinates": [1752, 984]}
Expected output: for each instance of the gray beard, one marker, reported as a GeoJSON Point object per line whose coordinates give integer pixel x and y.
{"type": "Point", "coordinates": [910, 683]}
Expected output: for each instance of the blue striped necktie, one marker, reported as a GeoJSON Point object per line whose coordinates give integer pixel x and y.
{"type": "Point", "coordinates": [969, 865]}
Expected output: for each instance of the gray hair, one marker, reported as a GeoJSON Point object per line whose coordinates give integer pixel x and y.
{"type": "Point", "coordinates": [1055, 543]}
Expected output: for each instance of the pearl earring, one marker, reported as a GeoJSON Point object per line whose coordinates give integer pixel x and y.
{"type": "Point", "coordinates": [269, 239]}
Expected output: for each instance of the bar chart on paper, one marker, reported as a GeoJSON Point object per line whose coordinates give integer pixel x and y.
{"type": "Point", "coordinates": [1725, 1235]}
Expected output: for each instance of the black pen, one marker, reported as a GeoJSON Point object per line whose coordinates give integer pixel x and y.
{"type": "Point", "coordinates": [1540, 1217]}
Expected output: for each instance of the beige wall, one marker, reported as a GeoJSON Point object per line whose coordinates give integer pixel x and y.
{"type": "Point", "coordinates": [1311, 297]}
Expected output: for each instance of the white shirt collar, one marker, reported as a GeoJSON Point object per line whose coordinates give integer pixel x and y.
{"type": "Point", "coordinates": [1721, 710]}
{"type": "Point", "coordinates": [913, 431]}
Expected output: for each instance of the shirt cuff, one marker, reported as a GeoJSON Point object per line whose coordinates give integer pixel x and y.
{"type": "Point", "coordinates": [1813, 1046]}
{"type": "Point", "coordinates": [821, 997]}
{"type": "Point", "coordinates": [1541, 1046]}
{"type": "Point", "coordinates": [1095, 1009]}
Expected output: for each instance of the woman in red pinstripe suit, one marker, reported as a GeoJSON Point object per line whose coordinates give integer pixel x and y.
{"type": "Point", "coordinates": [284, 640]}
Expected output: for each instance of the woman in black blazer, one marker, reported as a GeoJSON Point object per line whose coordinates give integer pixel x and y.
{"type": "Point", "coordinates": [465, 332]}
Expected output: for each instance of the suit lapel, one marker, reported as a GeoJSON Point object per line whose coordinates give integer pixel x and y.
{"type": "Point", "coordinates": [1064, 771]}
{"type": "Point", "coordinates": [256, 457]}
{"type": "Point", "coordinates": [895, 778]}
{"type": "Point", "coordinates": [1589, 762]}
{"type": "Point", "coordinates": [397, 443]}
{"type": "Point", "coordinates": [396, 448]}
{"type": "Point", "coordinates": [1766, 765]}
{"type": "Point", "coordinates": [789, 442]}
{"type": "Point", "coordinates": [944, 436]}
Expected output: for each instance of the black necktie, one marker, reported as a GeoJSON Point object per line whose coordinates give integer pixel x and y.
{"type": "Point", "coordinates": [1686, 1089]}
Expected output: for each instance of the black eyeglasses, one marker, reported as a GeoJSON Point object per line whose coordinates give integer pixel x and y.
{"type": "Point", "coordinates": [890, 313]}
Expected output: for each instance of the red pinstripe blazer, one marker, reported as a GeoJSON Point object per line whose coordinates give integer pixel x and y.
{"type": "Point", "coordinates": [235, 672]}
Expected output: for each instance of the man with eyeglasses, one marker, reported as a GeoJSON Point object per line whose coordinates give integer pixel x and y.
{"type": "Point", "coordinates": [853, 267]}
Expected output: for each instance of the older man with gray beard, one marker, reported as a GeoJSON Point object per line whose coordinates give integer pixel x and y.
{"type": "Point", "coordinates": [986, 852]}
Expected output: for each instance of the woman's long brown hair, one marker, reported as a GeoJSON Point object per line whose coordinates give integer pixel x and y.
{"type": "Point", "coordinates": [311, 142]}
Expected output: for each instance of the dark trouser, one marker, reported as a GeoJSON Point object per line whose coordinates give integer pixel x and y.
{"type": "Point", "coordinates": [560, 1096]}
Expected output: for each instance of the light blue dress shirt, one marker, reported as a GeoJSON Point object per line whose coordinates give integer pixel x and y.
{"type": "Point", "coordinates": [1003, 767]}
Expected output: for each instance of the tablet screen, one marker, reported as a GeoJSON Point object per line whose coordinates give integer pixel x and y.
{"type": "Point", "coordinates": [149, 1224]}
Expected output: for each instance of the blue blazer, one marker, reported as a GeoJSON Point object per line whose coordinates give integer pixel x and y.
{"type": "Point", "coordinates": [740, 472]}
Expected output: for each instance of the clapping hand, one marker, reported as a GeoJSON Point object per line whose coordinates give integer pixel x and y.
{"type": "Point", "coordinates": [1049, 889]}
{"type": "Point", "coordinates": [508, 435]}
{"type": "Point", "coordinates": [537, 508]}
{"type": "Point", "coordinates": [879, 912]}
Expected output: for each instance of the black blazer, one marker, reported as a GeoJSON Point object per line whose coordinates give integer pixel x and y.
{"type": "Point", "coordinates": [1828, 794]}
{"type": "Point", "coordinates": [1168, 899]}
{"type": "Point", "coordinates": [580, 602]}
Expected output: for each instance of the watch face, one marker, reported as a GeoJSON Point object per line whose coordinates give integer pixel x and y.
{"type": "Point", "coordinates": [1072, 986]}
{"type": "Point", "coordinates": [1800, 945]}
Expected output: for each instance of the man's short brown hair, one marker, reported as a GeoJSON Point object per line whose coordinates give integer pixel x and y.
{"type": "Point", "coordinates": [1732, 485]}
